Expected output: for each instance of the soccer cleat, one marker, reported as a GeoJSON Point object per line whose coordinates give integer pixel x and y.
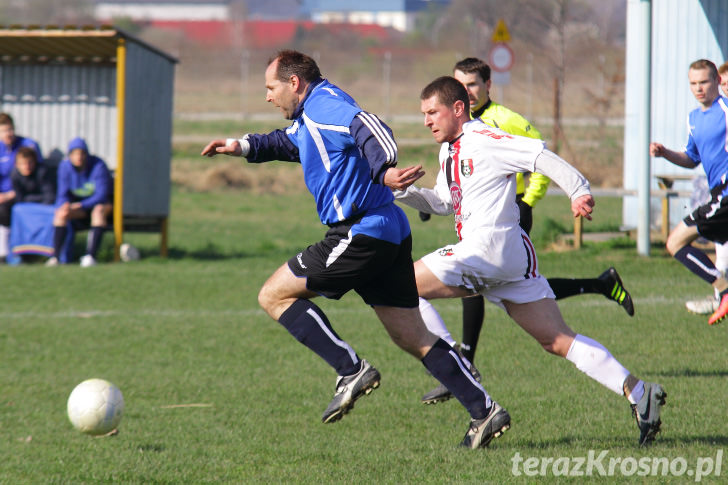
{"type": "Point", "coordinates": [721, 312]}
{"type": "Point", "coordinates": [87, 261]}
{"type": "Point", "coordinates": [442, 393]}
{"type": "Point", "coordinates": [615, 290]}
{"type": "Point", "coordinates": [647, 412]}
{"type": "Point", "coordinates": [52, 261]}
{"type": "Point", "coordinates": [349, 389]}
{"type": "Point", "coordinates": [438, 394]}
{"type": "Point", "coordinates": [482, 431]}
{"type": "Point", "coordinates": [706, 306]}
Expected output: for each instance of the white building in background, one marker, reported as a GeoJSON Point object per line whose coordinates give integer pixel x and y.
{"type": "Point", "coordinates": [170, 10]}
{"type": "Point", "coordinates": [397, 20]}
{"type": "Point", "coordinates": [397, 14]}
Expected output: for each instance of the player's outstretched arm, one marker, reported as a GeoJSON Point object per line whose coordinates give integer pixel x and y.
{"type": "Point", "coordinates": [678, 158]}
{"type": "Point", "coordinates": [583, 206]}
{"type": "Point", "coordinates": [230, 147]}
{"type": "Point", "coordinates": [401, 178]}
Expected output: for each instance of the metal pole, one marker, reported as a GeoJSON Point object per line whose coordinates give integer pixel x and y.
{"type": "Point", "coordinates": [529, 89]}
{"type": "Point", "coordinates": [244, 74]}
{"type": "Point", "coordinates": [387, 81]}
{"type": "Point", "coordinates": [643, 189]}
{"type": "Point", "coordinates": [118, 214]}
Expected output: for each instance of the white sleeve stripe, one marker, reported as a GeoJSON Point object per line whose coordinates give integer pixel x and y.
{"type": "Point", "coordinates": [723, 106]}
{"type": "Point", "coordinates": [385, 140]}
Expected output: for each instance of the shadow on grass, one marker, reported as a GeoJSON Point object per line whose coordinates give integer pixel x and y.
{"type": "Point", "coordinates": [692, 373]}
{"type": "Point", "coordinates": [208, 253]}
{"type": "Point", "coordinates": [151, 447]}
{"type": "Point", "coordinates": [548, 444]}
{"type": "Point", "coordinates": [693, 440]}
{"type": "Point", "coordinates": [212, 252]}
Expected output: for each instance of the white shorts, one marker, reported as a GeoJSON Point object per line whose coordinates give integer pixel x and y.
{"type": "Point", "coordinates": [500, 265]}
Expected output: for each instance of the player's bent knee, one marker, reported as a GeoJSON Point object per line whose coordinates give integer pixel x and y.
{"type": "Point", "coordinates": [559, 345]}
{"type": "Point", "coordinates": [266, 300]}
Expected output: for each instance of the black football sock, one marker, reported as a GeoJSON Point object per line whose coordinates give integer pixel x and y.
{"type": "Point", "coordinates": [565, 287]}
{"type": "Point", "coordinates": [59, 237]}
{"type": "Point", "coordinates": [447, 367]}
{"type": "Point", "coordinates": [93, 240]}
{"type": "Point", "coordinates": [698, 262]}
{"type": "Point", "coordinates": [309, 325]}
{"type": "Point", "coordinates": [473, 314]}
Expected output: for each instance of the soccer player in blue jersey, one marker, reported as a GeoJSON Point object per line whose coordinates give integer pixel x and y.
{"type": "Point", "coordinates": [84, 198]}
{"type": "Point", "coordinates": [707, 144]}
{"type": "Point", "coordinates": [349, 160]}
{"type": "Point", "coordinates": [10, 142]}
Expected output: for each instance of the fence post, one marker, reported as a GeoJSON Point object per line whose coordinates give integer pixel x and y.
{"type": "Point", "coordinates": [578, 226]}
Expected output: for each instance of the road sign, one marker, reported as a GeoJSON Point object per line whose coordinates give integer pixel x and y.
{"type": "Point", "coordinates": [501, 34]}
{"type": "Point", "coordinates": [500, 57]}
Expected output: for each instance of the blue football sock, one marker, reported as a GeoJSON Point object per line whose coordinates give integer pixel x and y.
{"type": "Point", "coordinates": [93, 241]}
{"type": "Point", "coordinates": [59, 237]}
{"type": "Point", "coordinates": [698, 262]}
{"type": "Point", "coordinates": [447, 367]}
{"type": "Point", "coordinates": [309, 325]}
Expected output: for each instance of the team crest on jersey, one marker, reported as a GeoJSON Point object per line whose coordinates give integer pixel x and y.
{"type": "Point", "coordinates": [457, 197]}
{"type": "Point", "coordinates": [446, 252]}
{"type": "Point", "coordinates": [466, 167]}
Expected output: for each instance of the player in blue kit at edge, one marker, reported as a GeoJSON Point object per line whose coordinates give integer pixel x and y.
{"type": "Point", "coordinates": [707, 144]}
{"type": "Point", "coordinates": [349, 160]}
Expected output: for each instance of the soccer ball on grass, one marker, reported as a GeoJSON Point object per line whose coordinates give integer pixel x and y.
{"type": "Point", "coordinates": [95, 407]}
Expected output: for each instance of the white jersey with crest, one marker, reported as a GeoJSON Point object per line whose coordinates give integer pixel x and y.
{"type": "Point", "coordinates": [477, 184]}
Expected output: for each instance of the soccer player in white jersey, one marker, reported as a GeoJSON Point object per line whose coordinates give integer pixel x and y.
{"type": "Point", "coordinates": [494, 256]}
{"type": "Point", "coordinates": [348, 159]}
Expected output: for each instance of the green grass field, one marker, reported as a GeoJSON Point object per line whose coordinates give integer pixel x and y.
{"type": "Point", "coordinates": [216, 392]}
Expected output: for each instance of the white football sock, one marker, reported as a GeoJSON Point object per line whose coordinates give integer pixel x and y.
{"type": "Point", "coordinates": [434, 322]}
{"type": "Point", "coordinates": [721, 258]}
{"type": "Point", "coordinates": [593, 359]}
{"type": "Point", "coordinates": [4, 236]}
{"type": "Point", "coordinates": [637, 393]}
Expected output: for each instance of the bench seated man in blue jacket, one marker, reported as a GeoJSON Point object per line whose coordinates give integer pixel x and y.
{"type": "Point", "coordinates": [84, 196]}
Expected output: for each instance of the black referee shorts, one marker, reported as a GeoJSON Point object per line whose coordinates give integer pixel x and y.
{"type": "Point", "coordinates": [711, 220]}
{"type": "Point", "coordinates": [381, 272]}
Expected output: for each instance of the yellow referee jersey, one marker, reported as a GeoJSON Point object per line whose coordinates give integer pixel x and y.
{"type": "Point", "coordinates": [499, 116]}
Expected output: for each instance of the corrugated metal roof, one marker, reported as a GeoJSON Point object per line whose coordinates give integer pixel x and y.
{"type": "Point", "coordinates": [69, 44]}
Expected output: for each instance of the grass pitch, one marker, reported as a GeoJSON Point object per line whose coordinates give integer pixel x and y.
{"type": "Point", "coordinates": [216, 392]}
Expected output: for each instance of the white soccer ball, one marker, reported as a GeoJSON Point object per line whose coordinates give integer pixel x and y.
{"type": "Point", "coordinates": [127, 253]}
{"type": "Point", "coordinates": [95, 407]}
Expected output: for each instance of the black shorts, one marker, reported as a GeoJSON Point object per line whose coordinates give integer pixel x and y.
{"type": "Point", "coordinates": [711, 220]}
{"type": "Point", "coordinates": [381, 272]}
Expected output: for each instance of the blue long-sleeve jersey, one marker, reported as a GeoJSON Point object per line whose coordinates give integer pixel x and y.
{"type": "Point", "coordinates": [7, 159]}
{"type": "Point", "coordinates": [708, 141]}
{"type": "Point", "coordinates": [90, 186]}
{"type": "Point", "coordinates": [344, 152]}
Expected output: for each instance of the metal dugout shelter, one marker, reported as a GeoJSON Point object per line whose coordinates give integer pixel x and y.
{"type": "Point", "coordinates": [108, 87]}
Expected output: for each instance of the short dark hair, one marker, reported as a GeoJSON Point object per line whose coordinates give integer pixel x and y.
{"type": "Point", "coordinates": [706, 64]}
{"type": "Point", "coordinates": [6, 119]}
{"type": "Point", "coordinates": [27, 152]}
{"type": "Point", "coordinates": [294, 63]}
{"type": "Point", "coordinates": [448, 90]}
{"type": "Point", "coordinates": [471, 65]}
